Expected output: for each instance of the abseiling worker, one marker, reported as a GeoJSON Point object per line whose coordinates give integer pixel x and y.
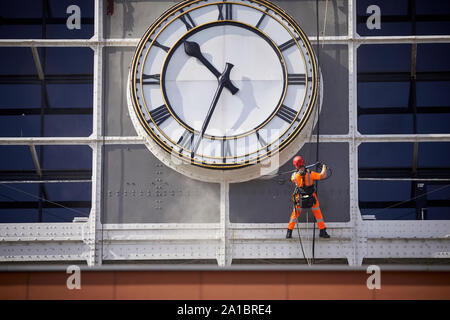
{"type": "Point", "coordinates": [305, 195]}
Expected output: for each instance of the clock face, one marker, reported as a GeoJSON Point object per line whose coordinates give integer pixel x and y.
{"type": "Point", "coordinates": [223, 84]}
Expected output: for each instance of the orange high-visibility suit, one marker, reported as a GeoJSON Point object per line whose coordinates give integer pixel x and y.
{"type": "Point", "coordinates": [310, 177]}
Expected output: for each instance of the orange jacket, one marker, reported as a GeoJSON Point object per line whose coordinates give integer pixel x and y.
{"type": "Point", "coordinates": [310, 177]}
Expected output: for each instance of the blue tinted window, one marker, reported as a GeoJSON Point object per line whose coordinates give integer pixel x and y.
{"type": "Point", "coordinates": [69, 60]}
{"type": "Point", "coordinates": [63, 202]}
{"type": "Point", "coordinates": [391, 213]}
{"type": "Point", "coordinates": [433, 123]}
{"type": "Point", "coordinates": [383, 94]}
{"type": "Point", "coordinates": [384, 190]}
{"type": "Point", "coordinates": [396, 185]}
{"type": "Point", "coordinates": [16, 158]}
{"type": "Point", "coordinates": [20, 96]}
{"type": "Point", "coordinates": [67, 157]}
{"type": "Point", "coordinates": [385, 155]}
{"type": "Point", "coordinates": [393, 101]}
{"type": "Point", "coordinates": [380, 57]}
{"type": "Point", "coordinates": [386, 124]}
{"type": "Point", "coordinates": [14, 61]}
{"type": "Point", "coordinates": [70, 95]}
{"type": "Point", "coordinates": [433, 57]}
{"type": "Point", "coordinates": [434, 154]}
{"type": "Point", "coordinates": [20, 126]}
{"type": "Point", "coordinates": [68, 125]}
{"type": "Point", "coordinates": [433, 93]}
{"type": "Point", "coordinates": [57, 105]}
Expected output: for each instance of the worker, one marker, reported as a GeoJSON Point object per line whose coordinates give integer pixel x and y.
{"type": "Point", "coordinates": [305, 195]}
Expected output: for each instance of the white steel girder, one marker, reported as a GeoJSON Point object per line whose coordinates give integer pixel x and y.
{"type": "Point", "coordinates": [72, 242]}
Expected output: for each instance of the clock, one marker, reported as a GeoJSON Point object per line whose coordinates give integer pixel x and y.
{"type": "Point", "coordinates": [219, 89]}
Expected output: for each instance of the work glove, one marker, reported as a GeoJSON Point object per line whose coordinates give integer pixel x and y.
{"type": "Point", "coordinates": [319, 166]}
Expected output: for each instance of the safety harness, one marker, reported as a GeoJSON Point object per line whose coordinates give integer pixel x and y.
{"type": "Point", "coordinates": [304, 196]}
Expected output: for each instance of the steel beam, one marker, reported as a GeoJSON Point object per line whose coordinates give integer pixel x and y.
{"type": "Point", "coordinates": [43, 181]}
{"type": "Point", "coordinates": [403, 110]}
{"type": "Point", "coordinates": [37, 63]}
{"type": "Point", "coordinates": [45, 204]}
{"type": "Point", "coordinates": [401, 204]}
{"type": "Point", "coordinates": [403, 137]}
{"type": "Point", "coordinates": [421, 173]}
{"type": "Point", "coordinates": [70, 140]}
{"type": "Point", "coordinates": [402, 76]}
{"type": "Point", "coordinates": [132, 42]}
{"type": "Point", "coordinates": [46, 111]}
{"type": "Point", "coordinates": [14, 175]}
{"type": "Point", "coordinates": [402, 39]}
{"type": "Point", "coordinates": [95, 238]}
{"type": "Point", "coordinates": [35, 160]}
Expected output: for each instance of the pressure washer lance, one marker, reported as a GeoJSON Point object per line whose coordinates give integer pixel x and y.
{"type": "Point", "coordinates": [291, 171]}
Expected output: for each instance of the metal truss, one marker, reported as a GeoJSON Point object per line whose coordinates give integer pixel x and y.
{"type": "Point", "coordinates": [92, 243]}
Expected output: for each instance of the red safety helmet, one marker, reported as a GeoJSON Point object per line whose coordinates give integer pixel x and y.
{"type": "Point", "coordinates": [298, 162]}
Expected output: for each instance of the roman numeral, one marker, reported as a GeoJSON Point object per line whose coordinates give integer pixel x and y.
{"type": "Point", "coordinates": [228, 11]}
{"type": "Point", "coordinates": [287, 114]}
{"type": "Point", "coordinates": [155, 79]}
{"type": "Point", "coordinates": [157, 44]}
{"type": "Point", "coordinates": [287, 44]}
{"type": "Point", "coordinates": [297, 78]}
{"type": "Point", "coordinates": [187, 20]}
{"type": "Point", "coordinates": [261, 19]}
{"type": "Point", "coordinates": [186, 141]}
{"type": "Point", "coordinates": [160, 114]}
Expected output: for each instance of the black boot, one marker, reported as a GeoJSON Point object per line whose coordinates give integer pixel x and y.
{"type": "Point", "coordinates": [323, 233]}
{"type": "Point", "coordinates": [289, 234]}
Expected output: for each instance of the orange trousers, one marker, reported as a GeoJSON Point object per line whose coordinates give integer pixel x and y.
{"type": "Point", "coordinates": [315, 209]}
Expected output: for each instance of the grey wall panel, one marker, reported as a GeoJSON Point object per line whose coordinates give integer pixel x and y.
{"type": "Point", "coordinates": [334, 67]}
{"type": "Point", "coordinates": [138, 188]}
{"type": "Point", "coordinates": [132, 18]}
{"type": "Point", "coordinates": [117, 118]}
{"type": "Point", "coordinates": [304, 13]}
{"type": "Point", "coordinates": [269, 200]}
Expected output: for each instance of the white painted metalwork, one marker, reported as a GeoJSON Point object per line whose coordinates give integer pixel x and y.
{"type": "Point", "coordinates": [37, 63]}
{"type": "Point", "coordinates": [132, 42]}
{"type": "Point", "coordinates": [92, 242]}
{"type": "Point", "coordinates": [35, 160]}
{"type": "Point", "coordinates": [94, 224]}
{"type": "Point", "coordinates": [42, 181]}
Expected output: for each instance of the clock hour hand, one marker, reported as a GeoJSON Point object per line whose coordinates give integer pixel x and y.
{"type": "Point", "coordinates": [223, 79]}
{"type": "Point", "coordinates": [193, 49]}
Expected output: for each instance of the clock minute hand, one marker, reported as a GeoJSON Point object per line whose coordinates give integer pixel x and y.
{"type": "Point", "coordinates": [223, 79]}
{"type": "Point", "coordinates": [193, 49]}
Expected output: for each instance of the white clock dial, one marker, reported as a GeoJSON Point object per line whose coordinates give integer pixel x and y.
{"type": "Point", "coordinates": [223, 84]}
{"type": "Point", "coordinates": [260, 88]}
